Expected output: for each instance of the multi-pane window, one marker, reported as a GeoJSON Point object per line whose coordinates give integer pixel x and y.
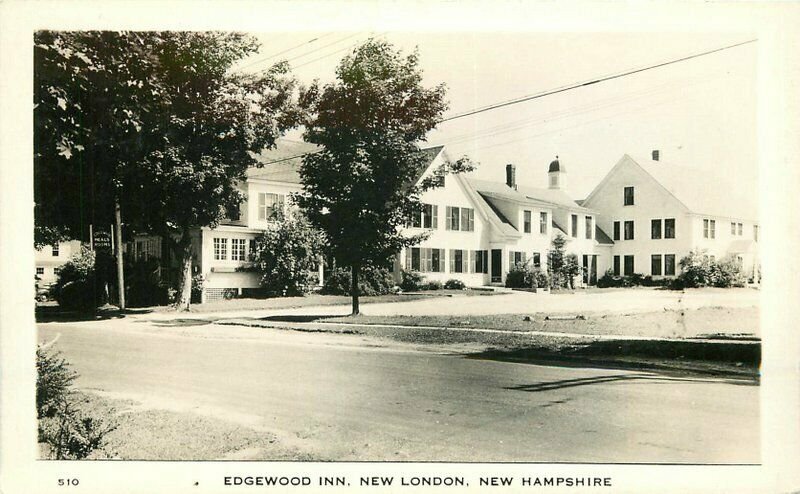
{"type": "Point", "coordinates": [527, 221]}
{"type": "Point", "coordinates": [460, 219]}
{"type": "Point", "coordinates": [655, 229]}
{"type": "Point", "coordinates": [628, 265]}
{"type": "Point", "coordinates": [574, 226]}
{"type": "Point", "coordinates": [481, 258]}
{"type": "Point", "coordinates": [237, 249]}
{"type": "Point", "coordinates": [55, 250]}
{"type": "Point", "coordinates": [252, 248]}
{"type": "Point", "coordinates": [542, 222]}
{"type": "Point", "coordinates": [56, 271]}
{"type": "Point", "coordinates": [709, 228]}
{"type": "Point", "coordinates": [628, 200]}
{"type": "Point", "coordinates": [616, 230]}
{"type": "Point", "coordinates": [589, 227]}
{"type": "Point", "coordinates": [425, 259]}
{"type": "Point", "coordinates": [629, 230]}
{"type": "Point", "coordinates": [733, 228]}
{"type": "Point", "coordinates": [655, 265]}
{"type": "Point", "coordinates": [270, 206]}
{"type": "Point", "coordinates": [669, 228]}
{"type": "Point", "coordinates": [669, 264]}
{"type": "Point", "coordinates": [616, 265]}
{"type": "Point", "coordinates": [739, 229]}
{"type": "Point", "coordinates": [755, 233]}
{"type": "Point", "coordinates": [40, 271]}
{"type": "Point", "coordinates": [537, 260]}
{"type": "Point", "coordinates": [430, 216]}
{"type": "Point", "coordinates": [220, 249]}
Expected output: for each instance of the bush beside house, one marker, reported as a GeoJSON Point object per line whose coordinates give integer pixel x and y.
{"type": "Point", "coordinates": [371, 281]}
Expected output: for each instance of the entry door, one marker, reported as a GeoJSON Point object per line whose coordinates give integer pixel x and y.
{"type": "Point", "coordinates": [586, 273]}
{"type": "Point", "coordinates": [593, 277]}
{"type": "Point", "coordinates": [497, 265]}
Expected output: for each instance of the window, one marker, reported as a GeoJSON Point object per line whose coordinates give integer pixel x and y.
{"type": "Point", "coordinates": [616, 230]}
{"type": "Point", "coordinates": [514, 258]}
{"type": "Point", "coordinates": [669, 228]}
{"type": "Point", "coordinates": [237, 249]}
{"type": "Point", "coordinates": [481, 258]}
{"type": "Point", "coordinates": [733, 228]}
{"type": "Point", "coordinates": [220, 249]}
{"type": "Point", "coordinates": [755, 233]}
{"type": "Point", "coordinates": [655, 229]}
{"type": "Point", "coordinates": [527, 221]}
{"type": "Point", "coordinates": [55, 250]}
{"type": "Point", "coordinates": [460, 219]}
{"type": "Point", "coordinates": [628, 201]}
{"type": "Point", "coordinates": [705, 228]}
{"type": "Point", "coordinates": [459, 261]}
{"type": "Point", "coordinates": [589, 227]}
{"type": "Point", "coordinates": [430, 216]}
{"type": "Point", "coordinates": [270, 206]}
{"type": "Point", "coordinates": [542, 222]}
{"type": "Point", "coordinates": [39, 271]}
{"type": "Point", "coordinates": [233, 213]}
{"type": "Point", "coordinates": [709, 228]}
{"type": "Point", "coordinates": [574, 227]}
{"type": "Point", "coordinates": [712, 229]}
{"type": "Point", "coordinates": [252, 248]}
{"type": "Point", "coordinates": [739, 229]}
{"type": "Point", "coordinates": [629, 230]}
{"type": "Point", "coordinates": [655, 265]}
{"type": "Point", "coordinates": [616, 265]}
{"type": "Point", "coordinates": [424, 259]}
{"type": "Point", "coordinates": [537, 260]}
{"type": "Point", "coordinates": [669, 264]}
{"type": "Point", "coordinates": [628, 265]}
{"type": "Point", "coordinates": [416, 221]}
{"type": "Point", "coordinates": [56, 271]}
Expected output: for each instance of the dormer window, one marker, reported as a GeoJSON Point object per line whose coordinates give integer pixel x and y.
{"type": "Point", "coordinates": [628, 200]}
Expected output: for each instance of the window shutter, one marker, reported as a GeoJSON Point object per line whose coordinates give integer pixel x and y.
{"type": "Point", "coordinates": [441, 260]}
{"type": "Point", "coordinates": [435, 217]}
{"type": "Point", "coordinates": [465, 261]}
{"type": "Point", "coordinates": [471, 220]}
{"type": "Point", "coordinates": [524, 258]}
{"type": "Point", "coordinates": [408, 258]}
{"type": "Point", "coordinates": [452, 261]}
{"type": "Point", "coordinates": [447, 225]}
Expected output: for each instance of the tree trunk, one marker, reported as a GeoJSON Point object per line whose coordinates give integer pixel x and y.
{"type": "Point", "coordinates": [120, 263]}
{"type": "Point", "coordinates": [354, 288]}
{"type": "Point", "coordinates": [185, 253]}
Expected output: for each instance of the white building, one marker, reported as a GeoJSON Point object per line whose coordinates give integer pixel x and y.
{"type": "Point", "coordinates": [480, 229]}
{"type": "Point", "coordinates": [657, 212]}
{"type": "Point", "coordinates": [50, 258]}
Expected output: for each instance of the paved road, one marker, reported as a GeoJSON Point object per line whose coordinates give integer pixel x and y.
{"type": "Point", "coordinates": [343, 397]}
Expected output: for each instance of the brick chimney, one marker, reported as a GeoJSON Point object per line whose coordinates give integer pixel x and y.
{"type": "Point", "coordinates": [511, 176]}
{"type": "Point", "coordinates": [656, 154]}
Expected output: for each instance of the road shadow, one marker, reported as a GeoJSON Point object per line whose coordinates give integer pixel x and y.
{"type": "Point", "coordinates": [304, 317]}
{"type": "Point", "coordinates": [54, 313]}
{"type": "Point", "coordinates": [588, 381]}
{"type": "Point", "coordinates": [719, 359]}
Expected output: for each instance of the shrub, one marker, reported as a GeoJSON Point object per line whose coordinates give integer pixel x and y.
{"type": "Point", "coordinates": [144, 284]}
{"type": "Point", "coordinates": [521, 276]}
{"type": "Point", "coordinates": [454, 284]}
{"type": "Point", "coordinates": [432, 285]}
{"type": "Point", "coordinates": [70, 432]}
{"type": "Point", "coordinates": [286, 256]}
{"type": "Point", "coordinates": [411, 281]}
{"type": "Point", "coordinates": [371, 281]}
{"type": "Point", "coordinates": [698, 269]}
{"type": "Point", "coordinates": [609, 280]}
{"type": "Point", "coordinates": [198, 282]}
{"type": "Point", "coordinates": [76, 287]}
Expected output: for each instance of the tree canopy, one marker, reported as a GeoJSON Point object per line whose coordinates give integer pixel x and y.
{"type": "Point", "coordinates": [362, 187]}
{"type": "Point", "coordinates": [156, 120]}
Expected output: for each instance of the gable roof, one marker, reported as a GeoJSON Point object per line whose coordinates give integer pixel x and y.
{"type": "Point", "coordinates": [700, 191]}
{"type": "Point", "coordinates": [282, 163]}
{"type": "Point", "coordinates": [553, 196]}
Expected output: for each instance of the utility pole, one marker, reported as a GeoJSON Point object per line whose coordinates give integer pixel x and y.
{"type": "Point", "coordinates": [118, 235]}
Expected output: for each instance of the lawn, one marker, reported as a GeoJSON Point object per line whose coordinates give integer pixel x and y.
{"type": "Point", "coordinates": [315, 299]}
{"type": "Point", "coordinates": [704, 322]}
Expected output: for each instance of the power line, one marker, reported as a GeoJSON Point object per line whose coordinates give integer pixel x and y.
{"type": "Point", "coordinates": [265, 58]}
{"type": "Point", "coordinates": [548, 92]}
{"type": "Point", "coordinates": [329, 54]}
{"type": "Point", "coordinates": [323, 47]}
{"type": "Point", "coordinates": [589, 82]}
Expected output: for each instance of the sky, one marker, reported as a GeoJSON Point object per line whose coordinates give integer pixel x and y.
{"type": "Point", "coordinates": [698, 113]}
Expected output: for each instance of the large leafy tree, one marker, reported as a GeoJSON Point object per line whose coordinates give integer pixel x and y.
{"type": "Point", "coordinates": [362, 187]}
{"type": "Point", "coordinates": [155, 120]}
